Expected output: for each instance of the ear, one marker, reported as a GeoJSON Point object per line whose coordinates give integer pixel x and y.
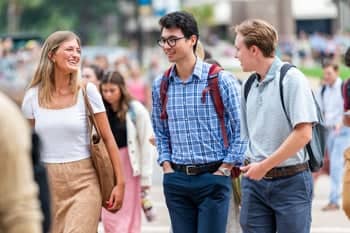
{"type": "Point", "coordinates": [254, 50]}
{"type": "Point", "coordinates": [194, 39]}
{"type": "Point", "coordinates": [50, 55]}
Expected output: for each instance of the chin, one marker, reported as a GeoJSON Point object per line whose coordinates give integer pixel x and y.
{"type": "Point", "coordinates": [72, 69]}
{"type": "Point", "coordinates": [171, 60]}
{"type": "Point", "coordinates": [245, 69]}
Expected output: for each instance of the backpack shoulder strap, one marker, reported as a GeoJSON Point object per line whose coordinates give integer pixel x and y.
{"type": "Point", "coordinates": [283, 72]}
{"type": "Point", "coordinates": [214, 71]}
{"type": "Point", "coordinates": [323, 89]}
{"type": "Point", "coordinates": [248, 85]}
{"type": "Point", "coordinates": [164, 85]}
{"type": "Point", "coordinates": [214, 90]}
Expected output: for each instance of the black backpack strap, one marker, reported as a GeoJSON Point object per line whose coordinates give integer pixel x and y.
{"type": "Point", "coordinates": [283, 72]}
{"type": "Point", "coordinates": [323, 89]}
{"type": "Point", "coordinates": [248, 85]}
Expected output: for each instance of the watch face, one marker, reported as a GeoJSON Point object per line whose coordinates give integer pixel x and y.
{"type": "Point", "coordinates": [226, 171]}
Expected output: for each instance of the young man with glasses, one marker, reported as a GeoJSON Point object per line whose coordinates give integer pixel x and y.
{"type": "Point", "coordinates": [192, 152]}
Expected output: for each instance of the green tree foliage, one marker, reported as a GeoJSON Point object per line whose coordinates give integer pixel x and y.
{"type": "Point", "coordinates": [204, 14]}
{"type": "Point", "coordinates": [86, 17]}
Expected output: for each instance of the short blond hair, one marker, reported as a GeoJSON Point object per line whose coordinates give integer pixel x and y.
{"type": "Point", "coordinates": [259, 33]}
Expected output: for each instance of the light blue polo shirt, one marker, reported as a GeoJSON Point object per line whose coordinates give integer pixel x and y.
{"type": "Point", "coordinates": [263, 121]}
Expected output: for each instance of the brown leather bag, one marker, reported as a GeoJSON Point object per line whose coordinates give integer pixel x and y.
{"type": "Point", "coordinates": [99, 155]}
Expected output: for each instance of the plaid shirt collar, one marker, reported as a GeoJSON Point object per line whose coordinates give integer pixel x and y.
{"type": "Point", "coordinates": [197, 71]}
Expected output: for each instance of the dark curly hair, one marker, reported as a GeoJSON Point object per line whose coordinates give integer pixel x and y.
{"type": "Point", "coordinates": [183, 20]}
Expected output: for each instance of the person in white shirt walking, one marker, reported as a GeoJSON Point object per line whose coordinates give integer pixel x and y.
{"type": "Point", "coordinates": [338, 135]}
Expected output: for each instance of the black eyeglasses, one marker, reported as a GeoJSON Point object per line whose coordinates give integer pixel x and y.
{"type": "Point", "coordinates": [170, 41]}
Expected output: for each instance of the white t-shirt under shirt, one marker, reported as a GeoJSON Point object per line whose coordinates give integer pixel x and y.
{"type": "Point", "coordinates": [63, 132]}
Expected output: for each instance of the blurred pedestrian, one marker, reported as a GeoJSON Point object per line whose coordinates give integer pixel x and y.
{"type": "Point", "coordinates": [277, 182]}
{"type": "Point", "coordinates": [101, 61]}
{"type": "Point", "coordinates": [346, 121]}
{"type": "Point", "coordinates": [338, 138]}
{"type": "Point", "coordinates": [132, 128]}
{"type": "Point", "coordinates": [138, 86]}
{"type": "Point", "coordinates": [55, 107]}
{"type": "Point", "coordinates": [19, 205]}
{"type": "Point", "coordinates": [92, 73]}
{"type": "Point", "coordinates": [192, 151]}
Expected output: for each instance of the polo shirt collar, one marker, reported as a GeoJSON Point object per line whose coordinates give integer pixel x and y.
{"type": "Point", "coordinates": [275, 66]}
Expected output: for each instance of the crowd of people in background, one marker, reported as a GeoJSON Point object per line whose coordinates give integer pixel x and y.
{"type": "Point", "coordinates": [17, 63]}
{"type": "Point", "coordinates": [122, 98]}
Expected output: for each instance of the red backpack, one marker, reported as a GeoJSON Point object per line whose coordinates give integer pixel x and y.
{"type": "Point", "coordinates": [212, 88]}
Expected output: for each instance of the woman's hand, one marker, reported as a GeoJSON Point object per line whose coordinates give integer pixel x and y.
{"type": "Point", "coordinates": [115, 201]}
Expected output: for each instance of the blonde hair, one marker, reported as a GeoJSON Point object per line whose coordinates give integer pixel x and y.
{"type": "Point", "coordinates": [44, 74]}
{"type": "Point", "coordinates": [259, 33]}
{"type": "Point", "coordinates": [200, 50]}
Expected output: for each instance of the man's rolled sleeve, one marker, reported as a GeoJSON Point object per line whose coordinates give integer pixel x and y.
{"type": "Point", "coordinates": [160, 126]}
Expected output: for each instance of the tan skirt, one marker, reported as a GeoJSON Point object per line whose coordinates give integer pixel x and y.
{"type": "Point", "coordinates": [76, 198]}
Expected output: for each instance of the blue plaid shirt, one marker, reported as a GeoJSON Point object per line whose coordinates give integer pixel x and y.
{"type": "Point", "coordinates": [192, 133]}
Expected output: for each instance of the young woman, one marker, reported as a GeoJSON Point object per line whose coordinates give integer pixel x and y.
{"type": "Point", "coordinates": [55, 107]}
{"type": "Point", "coordinates": [131, 127]}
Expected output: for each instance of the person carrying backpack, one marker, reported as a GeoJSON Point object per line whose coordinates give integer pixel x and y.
{"type": "Point", "coordinates": [338, 135]}
{"type": "Point", "coordinates": [198, 139]}
{"type": "Point", "coordinates": [277, 183]}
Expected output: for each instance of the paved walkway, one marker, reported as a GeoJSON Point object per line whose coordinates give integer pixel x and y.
{"type": "Point", "coordinates": [323, 222]}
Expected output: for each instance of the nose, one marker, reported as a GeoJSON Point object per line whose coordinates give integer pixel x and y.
{"type": "Point", "coordinates": [76, 54]}
{"type": "Point", "coordinates": [166, 46]}
{"type": "Point", "coordinates": [106, 94]}
{"type": "Point", "coordinates": [235, 54]}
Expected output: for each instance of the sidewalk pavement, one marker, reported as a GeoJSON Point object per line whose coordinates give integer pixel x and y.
{"type": "Point", "coordinates": [323, 222]}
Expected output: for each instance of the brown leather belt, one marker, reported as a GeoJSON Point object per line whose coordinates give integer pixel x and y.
{"type": "Point", "coordinates": [280, 172]}
{"type": "Point", "coordinates": [197, 169]}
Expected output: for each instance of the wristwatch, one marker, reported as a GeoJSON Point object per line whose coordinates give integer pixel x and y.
{"type": "Point", "coordinates": [225, 171]}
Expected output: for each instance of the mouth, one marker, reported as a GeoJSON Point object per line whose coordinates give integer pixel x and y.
{"type": "Point", "coordinates": [73, 62]}
{"type": "Point", "coordinates": [169, 53]}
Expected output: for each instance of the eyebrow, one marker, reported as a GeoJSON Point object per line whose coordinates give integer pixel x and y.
{"type": "Point", "coordinates": [169, 37]}
{"type": "Point", "coordinates": [71, 46]}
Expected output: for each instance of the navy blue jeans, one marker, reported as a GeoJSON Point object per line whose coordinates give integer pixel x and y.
{"type": "Point", "coordinates": [197, 204]}
{"type": "Point", "coordinates": [279, 205]}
